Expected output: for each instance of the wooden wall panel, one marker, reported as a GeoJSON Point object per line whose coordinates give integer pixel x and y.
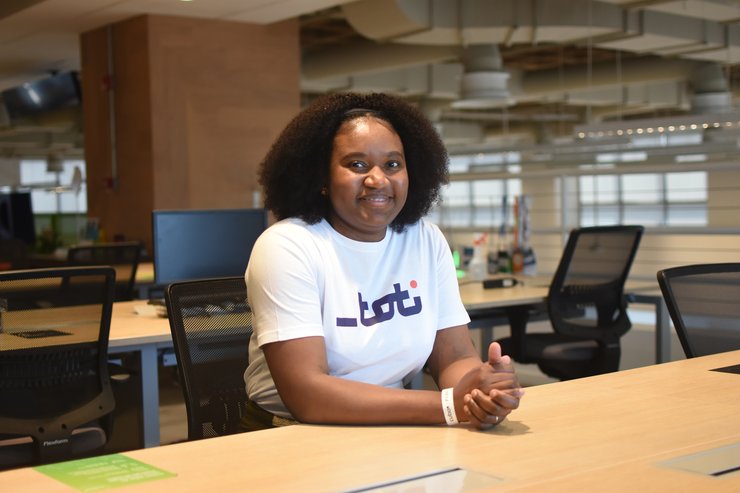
{"type": "Point", "coordinates": [197, 105]}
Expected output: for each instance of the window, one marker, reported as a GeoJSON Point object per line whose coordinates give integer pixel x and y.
{"type": "Point", "coordinates": [602, 194]}
{"type": "Point", "coordinates": [650, 199]}
{"type": "Point", "coordinates": [483, 203]}
{"type": "Point", "coordinates": [52, 192]}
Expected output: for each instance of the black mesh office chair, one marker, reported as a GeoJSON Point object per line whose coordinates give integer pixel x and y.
{"type": "Point", "coordinates": [586, 305]}
{"type": "Point", "coordinates": [55, 393]}
{"type": "Point", "coordinates": [211, 323]}
{"type": "Point", "coordinates": [704, 303]}
{"type": "Point", "coordinates": [122, 256]}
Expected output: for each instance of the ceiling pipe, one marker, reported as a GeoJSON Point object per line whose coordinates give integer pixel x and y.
{"type": "Point", "coordinates": [493, 22]}
{"type": "Point", "coordinates": [366, 57]}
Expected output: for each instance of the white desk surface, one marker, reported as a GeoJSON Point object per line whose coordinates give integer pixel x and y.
{"type": "Point", "coordinates": [475, 297]}
{"type": "Point", "coordinates": [609, 433]}
{"type": "Point", "coordinates": [128, 328]}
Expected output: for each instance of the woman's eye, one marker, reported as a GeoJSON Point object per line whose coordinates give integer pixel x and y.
{"type": "Point", "coordinates": [357, 164]}
{"type": "Point", "coordinates": [394, 164]}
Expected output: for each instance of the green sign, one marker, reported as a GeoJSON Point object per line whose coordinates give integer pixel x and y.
{"type": "Point", "coordinates": [102, 472]}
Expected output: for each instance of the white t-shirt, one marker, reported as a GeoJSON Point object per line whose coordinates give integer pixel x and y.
{"type": "Point", "coordinates": [377, 305]}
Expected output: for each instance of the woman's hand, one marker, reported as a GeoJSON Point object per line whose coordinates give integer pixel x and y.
{"type": "Point", "coordinates": [489, 392]}
{"type": "Point", "coordinates": [487, 410]}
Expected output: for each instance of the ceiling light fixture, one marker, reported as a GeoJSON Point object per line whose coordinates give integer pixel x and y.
{"type": "Point", "coordinates": [666, 125]}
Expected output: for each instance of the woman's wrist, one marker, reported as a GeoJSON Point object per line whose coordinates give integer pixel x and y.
{"type": "Point", "coordinates": [448, 406]}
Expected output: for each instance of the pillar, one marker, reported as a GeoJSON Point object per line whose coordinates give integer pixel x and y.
{"type": "Point", "coordinates": [178, 112]}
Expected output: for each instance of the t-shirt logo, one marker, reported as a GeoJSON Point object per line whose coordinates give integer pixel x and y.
{"type": "Point", "coordinates": [384, 308]}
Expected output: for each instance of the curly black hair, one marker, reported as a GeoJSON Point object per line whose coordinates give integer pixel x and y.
{"type": "Point", "coordinates": [297, 166]}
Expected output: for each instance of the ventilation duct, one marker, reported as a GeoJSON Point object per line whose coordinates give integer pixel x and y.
{"type": "Point", "coordinates": [484, 83]}
{"type": "Point", "coordinates": [711, 92]}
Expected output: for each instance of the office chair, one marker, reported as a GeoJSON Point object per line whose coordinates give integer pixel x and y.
{"type": "Point", "coordinates": [55, 393]}
{"type": "Point", "coordinates": [703, 301]}
{"type": "Point", "coordinates": [211, 323]}
{"type": "Point", "coordinates": [586, 306]}
{"type": "Point", "coordinates": [122, 256]}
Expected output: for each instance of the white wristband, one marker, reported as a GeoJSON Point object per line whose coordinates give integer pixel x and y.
{"type": "Point", "coordinates": [448, 407]}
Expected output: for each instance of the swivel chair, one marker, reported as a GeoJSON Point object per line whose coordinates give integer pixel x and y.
{"type": "Point", "coordinates": [586, 306]}
{"type": "Point", "coordinates": [55, 393]}
{"type": "Point", "coordinates": [211, 323]}
{"type": "Point", "coordinates": [703, 301]}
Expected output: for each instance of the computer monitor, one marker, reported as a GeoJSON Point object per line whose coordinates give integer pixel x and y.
{"type": "Point", "coordinates": [199, 244]}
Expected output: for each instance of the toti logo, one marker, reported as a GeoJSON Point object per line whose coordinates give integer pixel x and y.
{"type": "Point", "coordinates": [384, 308]}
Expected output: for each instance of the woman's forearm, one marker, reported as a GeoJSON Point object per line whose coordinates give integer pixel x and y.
{"type": "Point", "coordinates": [327, 399]}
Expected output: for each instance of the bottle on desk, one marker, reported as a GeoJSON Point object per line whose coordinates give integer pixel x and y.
{"type": "Point", "coordinates": [478, 265]}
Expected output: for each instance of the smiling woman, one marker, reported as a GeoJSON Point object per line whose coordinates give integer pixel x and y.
{"type": "Point", "coordinates": [368, 180]}
{"type": "Point", "coordinates": [353, 293]}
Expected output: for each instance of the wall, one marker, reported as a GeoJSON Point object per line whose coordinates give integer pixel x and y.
{"type": "Point", "coordinates": [193, 111]}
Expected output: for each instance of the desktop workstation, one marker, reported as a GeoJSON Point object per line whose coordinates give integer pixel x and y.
{"type": "Point", "coordinates": [667, 427]}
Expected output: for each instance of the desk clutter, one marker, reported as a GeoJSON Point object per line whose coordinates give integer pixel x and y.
{"type": "Point", "coordinates": [500, 282]}
{"type": "Point", "coordinates": [150, 310]}
{"type": "Point", "coordinates": [506, 252]}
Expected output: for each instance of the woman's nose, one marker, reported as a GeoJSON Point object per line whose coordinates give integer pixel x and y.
{"type": "Point", "coordinates": [375, 177]}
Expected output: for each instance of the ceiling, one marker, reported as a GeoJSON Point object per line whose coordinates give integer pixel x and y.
{"type": "Point", "coordinates": [535, 71]}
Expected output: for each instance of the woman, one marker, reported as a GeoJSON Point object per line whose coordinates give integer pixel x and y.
{"type": "Point", "coordinates": [352, 291]}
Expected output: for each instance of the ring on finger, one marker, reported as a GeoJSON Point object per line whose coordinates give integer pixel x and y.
{"type": "Point", "coordinates": [495, 420]}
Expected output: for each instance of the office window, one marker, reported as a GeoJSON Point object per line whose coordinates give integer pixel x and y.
{"type": "Point", "coordinates": [687, 193]}
{"type": "Point", "coordinates": [650, 199]}
{"type": "Point", "coordinates": [51, 192]}
{"type": "Point", "coordinates": [479, 203]}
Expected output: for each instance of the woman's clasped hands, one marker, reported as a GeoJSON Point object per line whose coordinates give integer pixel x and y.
{"type": "Point", "coordinates": [490, 392]}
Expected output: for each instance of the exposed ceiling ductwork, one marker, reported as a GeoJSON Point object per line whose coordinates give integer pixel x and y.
{"type": "Point", "coordinates": [481, 68]}
{"type": "Point", "coordinates": [484, 82]}
{"type": "Point", "coordinates": [478, 27]}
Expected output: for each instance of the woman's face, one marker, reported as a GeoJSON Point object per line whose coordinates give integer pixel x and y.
{"type": "Point", "coordinates": [368, 180]}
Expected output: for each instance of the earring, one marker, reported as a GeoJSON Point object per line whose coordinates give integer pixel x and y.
{"type": "Point", "coordinates": [324, 191]}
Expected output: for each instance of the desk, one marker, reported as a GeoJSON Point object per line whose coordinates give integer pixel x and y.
{"type": "Point", "coordinates": [145, 334]}
{"type": "Point", "coordinates": [609, 433]}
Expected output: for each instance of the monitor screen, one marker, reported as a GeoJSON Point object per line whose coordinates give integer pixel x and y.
{"type": "Point", "coordinates": [200, 244]}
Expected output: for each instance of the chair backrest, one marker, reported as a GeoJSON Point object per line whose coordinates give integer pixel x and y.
{"type": "Point", "coordinates": [55, 394]}
{"type": "Point", "coordinates": [586, 297]}
{"type": "Point", "coordinates": [211, 323]}
{"type": "Point", "coordinates": [122, 256]}
{"type": "Point", "coordinates": [703, 301]}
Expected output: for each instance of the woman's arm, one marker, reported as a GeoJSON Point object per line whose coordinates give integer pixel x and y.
{"type": "Point", "coordinates": [300, 371]}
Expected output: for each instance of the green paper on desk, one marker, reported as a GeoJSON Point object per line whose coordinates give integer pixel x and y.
{"type": "Point", "coordinates": [103, 472]}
